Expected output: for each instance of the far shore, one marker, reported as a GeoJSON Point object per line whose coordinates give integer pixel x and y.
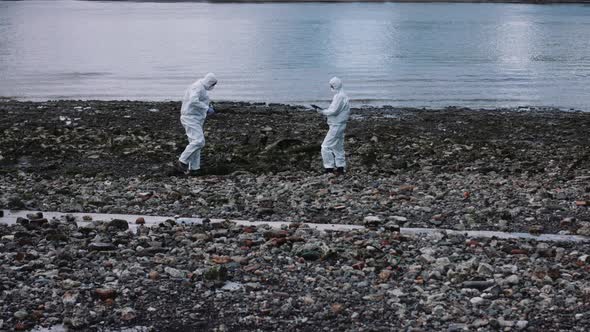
{"type": "Point", "coordinates": [538, 2]}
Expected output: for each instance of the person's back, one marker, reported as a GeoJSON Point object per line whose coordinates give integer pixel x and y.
{"type": "Point", "coordinates": [195, 102]}
{"type": "Point", "coordinates": [341, 109]}
{"type": "Point", "coordinates": [191, 92]}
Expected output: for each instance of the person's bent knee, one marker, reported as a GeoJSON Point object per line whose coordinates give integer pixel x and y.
{"type": "Point", "coordinates": [197, 145]}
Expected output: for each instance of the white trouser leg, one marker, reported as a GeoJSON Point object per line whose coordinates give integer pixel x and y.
{"type": "Point", "coordinates": [196, 141]}
{"type": "Point", "coordinates": [339, 155]}
{"type": "Point", "coordinates": [333, 147]}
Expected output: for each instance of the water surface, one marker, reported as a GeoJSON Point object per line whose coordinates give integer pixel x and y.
{"type": "Point", "coordinates": [432, 55]}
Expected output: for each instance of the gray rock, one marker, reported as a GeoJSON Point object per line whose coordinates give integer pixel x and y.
{"type": "Point", "coordinates": [176, 273]}
{"type": "Point", "coordinates": [232, 286]}
{"type": "Point", "coordinates": [522, 324]}
{"type": "Point", "coordinates": [392, 226]}
{"type": "Point", "coordinates": [100, 246]}
{"type": "Point", "coordinates": [371, 221]}
{"type": "Point", "coordinates": [128, 314]}
{"type": "Point", "coordinates": [119, 224]}
{"type": "Point", "coordinates": [476, 301]}
{"type": "Point", "coordinates": [70, 298]}
{"type": "Point", "coordinates": [21, 315]}
{"type": "Point", "coordinates": [513, 279]}
{"type": "Point", "coordinates": [35, 216]}
{"type": "Point", "coordinates": [505, 323]}
{"type": "Point", "coordinates": [485, 269]}
{"type": "Point", "coordinates": [584, 230]}
{"type": "Point", "coordinates": [481, 285]}
{"type": "Point", "coordinates": [480, 322]}
{"type": "Point", "coordinates": [436, 222]}
{"type": "Point", "coordinates": [457, 327]}
{"type": "Point", "coordinates": [400, 219]}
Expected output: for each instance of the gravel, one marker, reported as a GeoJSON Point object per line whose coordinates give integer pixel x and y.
{"type": "Point", "coordinates": [505, 169]}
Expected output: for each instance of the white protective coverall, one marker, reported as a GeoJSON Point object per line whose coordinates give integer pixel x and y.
{"type": "Point", "coordinates": [193, 112]}
{"type": "Point", "coordinates": [337, 114]}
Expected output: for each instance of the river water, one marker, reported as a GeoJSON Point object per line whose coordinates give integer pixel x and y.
{"type": "Point", "coordinates": [421, 55]}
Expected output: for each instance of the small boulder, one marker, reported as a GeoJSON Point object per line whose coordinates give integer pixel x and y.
{"type": "Point", "coordinates": [372, 221]}
{"type": "Point", "coordinates": [119, 224]}
{"type": "Point", "coordinates": [106, 293]}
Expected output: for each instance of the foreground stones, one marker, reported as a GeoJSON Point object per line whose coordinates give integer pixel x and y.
{"type": "Point", "coordinates": [203, 277]}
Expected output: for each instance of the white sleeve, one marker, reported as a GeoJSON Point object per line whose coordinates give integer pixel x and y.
{"type": "Point", "coordinates": [335, 107]}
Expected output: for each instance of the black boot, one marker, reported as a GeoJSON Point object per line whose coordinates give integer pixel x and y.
{"type": "Point", "coordinates": [195, 172]}
{"type": "Point", "coordinates": [181, 167]}
{"type": "Point", "coordinates": [328, 170]}
{"type": "Point", "coordinates": [339, 171]}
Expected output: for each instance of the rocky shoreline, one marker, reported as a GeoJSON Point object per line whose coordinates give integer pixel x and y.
{"type": "Point", "coordinates": [508, 170]}
{"type": "Point", "coordinates": [519, 170]}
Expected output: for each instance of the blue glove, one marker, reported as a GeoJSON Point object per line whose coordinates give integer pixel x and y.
{"type": "Point", "coordinates": [210, 111]}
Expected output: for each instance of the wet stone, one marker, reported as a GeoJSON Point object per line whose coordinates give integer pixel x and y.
{"type": "Point", "coordinates": [480, 285]}
{"type": "Point", "coordinates": [119, 224]}
{"type": "Point", "coordinates": [21, 314]}
{"type": "Point", "coordinates": [106, 293]}
{"type": "Point", "coordinates": [99, 246]}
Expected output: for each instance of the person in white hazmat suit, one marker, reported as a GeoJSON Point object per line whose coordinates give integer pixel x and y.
{"type": "Point", "coordinates": [337, 115]}
{"type": "Point", "coordinates": [195, 108]}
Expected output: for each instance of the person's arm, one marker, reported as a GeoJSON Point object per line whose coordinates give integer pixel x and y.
{"type": "Point", "coordinates": [196, 100]}
{"type": "Point", "coordinates": [335, 107]}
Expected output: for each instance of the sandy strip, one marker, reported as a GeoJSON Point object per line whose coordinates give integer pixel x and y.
{"type": "Point", "coordinates": [10, 217]}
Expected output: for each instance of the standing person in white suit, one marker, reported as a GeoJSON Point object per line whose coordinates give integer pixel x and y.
{"type": "Point", "coordinates": [195, 108]}
{"type": "Point", "coordinates": [337, 115]}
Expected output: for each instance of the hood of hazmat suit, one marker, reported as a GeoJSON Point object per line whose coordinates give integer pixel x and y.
{"type": "Point", "coordinates": [339, 110]}
{"type": "Point", "coordinates": [195, 102]}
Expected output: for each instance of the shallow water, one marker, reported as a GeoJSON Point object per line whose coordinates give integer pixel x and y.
{"type": "Point", "coordinates": [433, 55]}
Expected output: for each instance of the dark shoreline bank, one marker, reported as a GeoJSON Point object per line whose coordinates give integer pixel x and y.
{"type": "Point", "coordinates": [530, 2]}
